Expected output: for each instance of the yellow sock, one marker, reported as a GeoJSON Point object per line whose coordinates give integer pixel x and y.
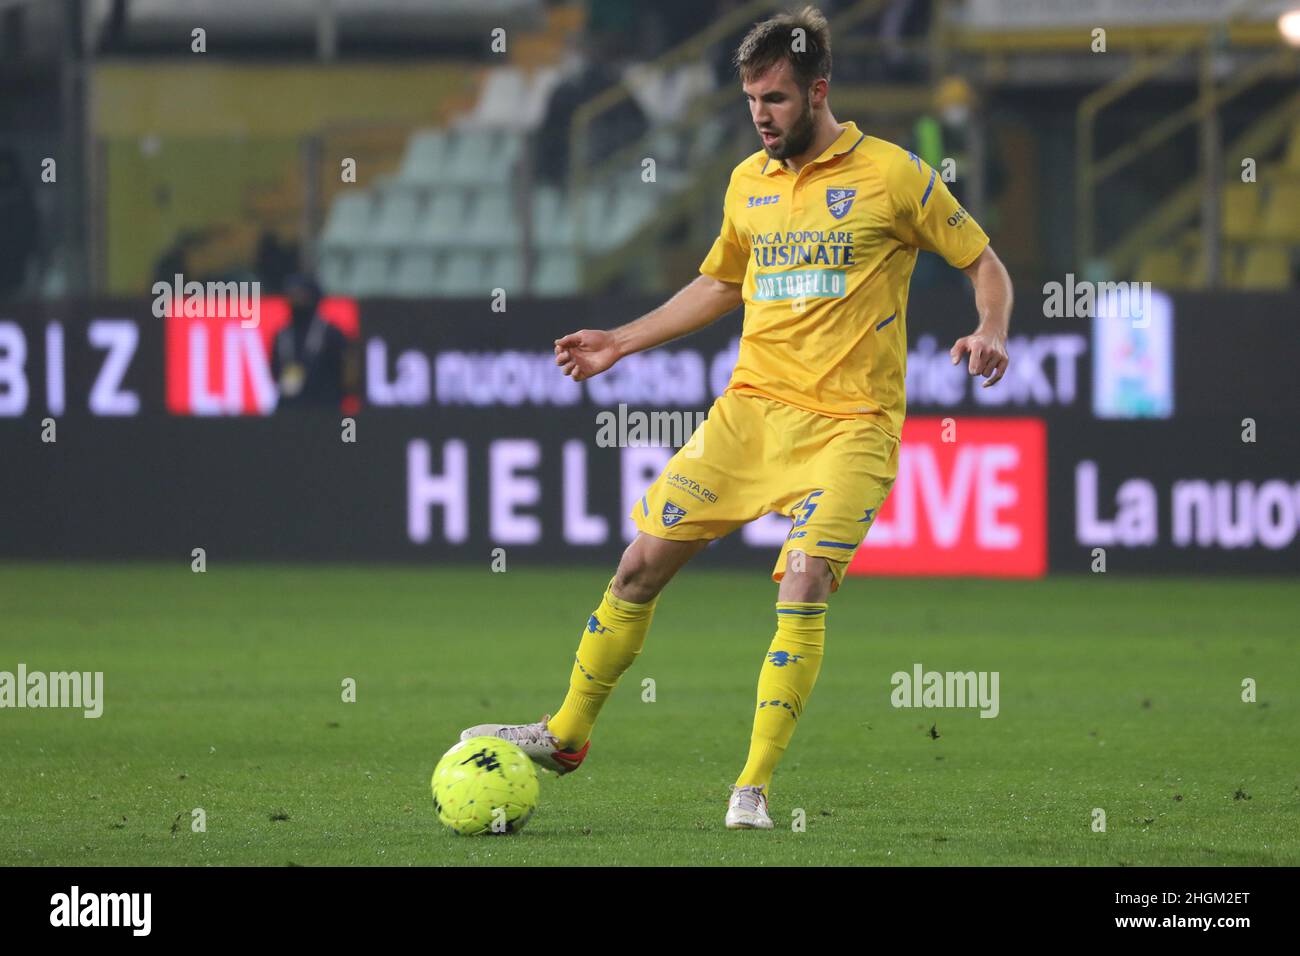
{"type": "Point", "coordinates": [784, 685]}
{"type": "Point", "coordinates": [612, 639]}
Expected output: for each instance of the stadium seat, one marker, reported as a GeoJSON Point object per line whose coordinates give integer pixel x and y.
{"type": "Point", "coordinates": [1162, 267]}
{"type": "Point", "coordinates": [1282, 212]}
{"type": "Point", "coordinates": [629, 211]}
{"type": "Point", "coordinates": [444, 220]}
{"type": "Point", "coordinates": [1265, 266]}
{"type": "Point", "coordinates": [468, 151]}
{"type": "Point", "coordinates": [505, 271]}
{"type": "Point", "coordinates": [504, 88]}
{"type": "Point", "coordinates": [463, 275]}
{"type": "Point", "coordinates": [492, 220]}
{"type": "Point", "coordinates": [349, 221]}
{"type": "Point", "coordinates": [398, 217]}
{"type": "Point", "coordinates": [506, 158]}
{"type": "Point", "coordinates": [513, 98]}
{"type": "Point", "coordinates": [552, 220]}
{"type": "Point", "coordinates": [416, 271]}
{"type": "Point", "coordinates": [596, 209]}
{"type": "Point", "coordinates": [425, 154]}
{"type": "Point", "coordinates": [370, 273]}
{"type": "Point", "coordinates": [482, 157]}
{"type": "Point", "coordinates": [1241, 210]}
{"type": "Point", "coordinates": [556, 273]}
{"type": "Point", "coordinates": [332, 270]}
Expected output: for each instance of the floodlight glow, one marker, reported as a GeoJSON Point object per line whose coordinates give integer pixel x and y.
{"type": "Point", "coordinates": [1288, 24]}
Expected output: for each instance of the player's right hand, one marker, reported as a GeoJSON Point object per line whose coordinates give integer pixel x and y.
{"type": "Point", "coordinates": [586, 353]}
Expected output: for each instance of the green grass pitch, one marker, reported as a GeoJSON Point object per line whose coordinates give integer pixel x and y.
{"type": "Point", "coordinates": [224, 692]}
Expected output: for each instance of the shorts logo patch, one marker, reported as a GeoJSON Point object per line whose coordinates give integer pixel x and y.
{"type": "Point", "coordinates": [840, 201]}
{"type": "Point", "coordinates": [805, 508]}
{"type": "Point", "coordinates": [672, 514]}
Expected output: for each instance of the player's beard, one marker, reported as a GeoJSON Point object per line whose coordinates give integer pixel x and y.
{"type": "Point", "coordinates": [797, 138]}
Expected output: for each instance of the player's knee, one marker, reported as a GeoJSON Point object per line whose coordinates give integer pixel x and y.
{"type": "Point", "coordinates": [639, 579]}
{"type": "Point", "coordinates": [806, 579]}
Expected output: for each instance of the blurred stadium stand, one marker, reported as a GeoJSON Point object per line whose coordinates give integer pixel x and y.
{"type": "Point", "coordinates": [526, 169]}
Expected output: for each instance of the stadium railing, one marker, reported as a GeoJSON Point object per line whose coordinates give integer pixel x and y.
{"type": "Point", "coordinates": [1203, 45]}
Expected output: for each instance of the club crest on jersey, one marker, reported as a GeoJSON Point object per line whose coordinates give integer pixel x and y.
{"type": "Point", "coordinates": [672, 514]}
{"type": "Point", "coordinates": [840, 201]}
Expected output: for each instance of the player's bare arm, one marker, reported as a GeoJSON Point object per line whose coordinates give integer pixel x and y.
{"type": "Point", "coordinates": [988, 343]}
{"type": "Point", "coordinates": [700, 303]}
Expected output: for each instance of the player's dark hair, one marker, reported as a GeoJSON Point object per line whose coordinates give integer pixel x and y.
{"type": "Point", "coordinates": [774, 40]}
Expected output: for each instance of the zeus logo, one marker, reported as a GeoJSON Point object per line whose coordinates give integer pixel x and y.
{"type": "Point", "coordinates": [778, 703]}
{"type": "Point", "coordinates": [594, 626]}
{"type": "Point", "coordinates": [483, 760]}
{"type": "Point", "coordinates": [762, 200]}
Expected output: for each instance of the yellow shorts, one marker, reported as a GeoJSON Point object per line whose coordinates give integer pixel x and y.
{"type": "Point", "coordinates": [754, 455]}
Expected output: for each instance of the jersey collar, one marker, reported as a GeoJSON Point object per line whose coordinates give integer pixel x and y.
{"type": "Point", "coordinates": [846, 142]}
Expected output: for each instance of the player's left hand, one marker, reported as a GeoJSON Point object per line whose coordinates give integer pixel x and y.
{"type": "Point", "coordinates": [988, 355]}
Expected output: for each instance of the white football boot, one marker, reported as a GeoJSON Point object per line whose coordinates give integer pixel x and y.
{"type": "Point", "coordinates": [748, 809]}
{"type": "Point", "coordinates": [536, 741]}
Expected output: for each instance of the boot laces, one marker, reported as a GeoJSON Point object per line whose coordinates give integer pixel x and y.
{"type": "Point", "coordinates": [749, 798]}
{"type": "Point", "coordinates": [534, 734]}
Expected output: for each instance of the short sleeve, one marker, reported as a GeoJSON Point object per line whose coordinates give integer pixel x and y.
{"type": "Point", "coordinates": [928, 216]}
{"type": "Point", "coordinates": [728, 260]}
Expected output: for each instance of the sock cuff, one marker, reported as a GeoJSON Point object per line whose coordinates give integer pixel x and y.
{"type": "Point", "coordinates": [801, 608]}
{"type": "Point", "coordinates": [627, 607]}
{"type": "Point", "coordinates": [803, 618]}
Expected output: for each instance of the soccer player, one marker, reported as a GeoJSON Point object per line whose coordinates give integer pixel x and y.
{"type": "Point", "coordinates": [820, 231]}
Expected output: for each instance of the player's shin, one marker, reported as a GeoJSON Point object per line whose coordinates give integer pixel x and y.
{"type": "Point", "coordinates": [784, 685]}
{"type": "Point", "coordinates": [611, 640]}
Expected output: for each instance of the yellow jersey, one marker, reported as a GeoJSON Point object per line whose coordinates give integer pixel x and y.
{"type": "Point", "coordinates": [824, 259]}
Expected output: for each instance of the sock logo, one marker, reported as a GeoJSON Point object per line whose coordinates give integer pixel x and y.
{"type": "Point", "coordinates": [580, 667]}
{"type": "Point", "coordinates": [594, 626]}
{"type": "Point", "coordinates": [778, 703]}
{"type": "Point", "coordinates": [672, 514]}
{"type": "Point", "coordinates": [782, 658]}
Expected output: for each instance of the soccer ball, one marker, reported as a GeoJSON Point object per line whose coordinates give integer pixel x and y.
{"type": "Point", "coordinates": [485, 785]}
